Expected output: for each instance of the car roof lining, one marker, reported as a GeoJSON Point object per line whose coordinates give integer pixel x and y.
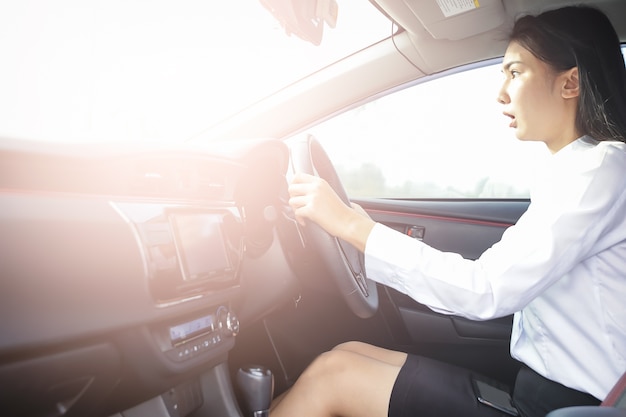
{"type": "Point", "coordinates": [462, 36]}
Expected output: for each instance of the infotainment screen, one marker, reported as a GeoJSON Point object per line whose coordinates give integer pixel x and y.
{"type": "Point", "coordinates": [200, 245]}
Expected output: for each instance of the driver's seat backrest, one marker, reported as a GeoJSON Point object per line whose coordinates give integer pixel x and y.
{"type": "Point", "coordinates": [614, 405]}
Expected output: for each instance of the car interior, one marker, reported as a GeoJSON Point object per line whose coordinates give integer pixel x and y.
{"type": "Point", "coordinates": [169, 279]}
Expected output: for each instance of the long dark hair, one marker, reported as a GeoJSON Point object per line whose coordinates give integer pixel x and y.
{"type": "Point", "coordinates": [583, 37]}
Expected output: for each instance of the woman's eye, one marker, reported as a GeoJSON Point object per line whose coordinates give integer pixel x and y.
{"type": "Point", "coordinates": [514, 73]}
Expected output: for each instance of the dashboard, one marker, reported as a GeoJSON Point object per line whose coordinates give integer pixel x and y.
{"type": "Point", "coordinates": [126, 272]}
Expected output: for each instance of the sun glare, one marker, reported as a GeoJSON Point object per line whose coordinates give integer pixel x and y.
{"type": "Point", "coordinates": [152, 70]}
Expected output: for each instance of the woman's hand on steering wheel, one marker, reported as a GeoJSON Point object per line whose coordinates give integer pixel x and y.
{"type": "Point", "coordinates": [311, 197]}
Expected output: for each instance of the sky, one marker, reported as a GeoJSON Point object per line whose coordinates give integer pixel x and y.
{"type": "Point", "coordinates": [152, 70]}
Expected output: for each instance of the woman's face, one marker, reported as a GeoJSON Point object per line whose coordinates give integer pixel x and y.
{"type": "Point", "coordinates": [533, 97]}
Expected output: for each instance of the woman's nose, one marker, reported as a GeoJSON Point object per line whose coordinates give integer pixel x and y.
{"type": "Point", "coordinates": [503, 97]}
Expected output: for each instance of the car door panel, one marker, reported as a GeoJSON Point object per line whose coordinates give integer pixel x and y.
{"type": "Point", "coordinates": [464, 227]}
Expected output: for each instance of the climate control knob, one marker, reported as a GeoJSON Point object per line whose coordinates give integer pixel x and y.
{"type": "Point", "coordinates": [227, 321]}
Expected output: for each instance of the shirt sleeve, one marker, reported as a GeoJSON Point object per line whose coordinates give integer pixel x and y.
{"type": "Point", "coordinates": [569, 222]}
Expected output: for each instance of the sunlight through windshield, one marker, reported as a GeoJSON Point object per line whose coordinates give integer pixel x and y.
{"type": "Point", "coordinates": [153, 70]}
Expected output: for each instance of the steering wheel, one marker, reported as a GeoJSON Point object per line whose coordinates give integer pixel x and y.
{"type": "Point", "coordinates": [343, 261]}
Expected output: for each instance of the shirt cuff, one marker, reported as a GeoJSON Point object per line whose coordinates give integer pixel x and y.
{"type": "Point", "coordinates": [389, 254]}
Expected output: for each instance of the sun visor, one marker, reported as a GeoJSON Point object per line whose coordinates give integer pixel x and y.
{"type": "Point", "coordinates": [446, 19]}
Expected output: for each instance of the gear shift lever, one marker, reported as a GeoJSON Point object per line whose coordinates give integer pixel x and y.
{"type": "Point", "coordinates": [257, 386]}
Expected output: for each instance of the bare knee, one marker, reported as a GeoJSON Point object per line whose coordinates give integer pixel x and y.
{"type": "Point", "coordinates": [328, 372]}
{"type": "Point", "coordinates": [332, 381]}
{"type": "Point", "coordinates": [352, 346]}
{"type": "Point", "coordinates": [328, 365]}
{"type": "Point", "coordinates": [318, 391]}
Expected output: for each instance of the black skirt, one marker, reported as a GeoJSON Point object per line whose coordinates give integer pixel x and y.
{"type": "Point", "coordinates": [429, 388]}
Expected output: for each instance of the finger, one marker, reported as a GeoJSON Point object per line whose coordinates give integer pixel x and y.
{"type": "Point", "coordinates": [308, 184]}
{"type": "Point", "coordinates": [301, 220]}
{"type": "Point", "coordinates": [298, 189]}
{"type": "Point", "coordinates": [301, 177]}
{"type": "Point", "coordinates": [300, 206]}
{"type": "Point", "coordinates": [300, 211]}
{"type": "Point", "coordinates": [296, 201]}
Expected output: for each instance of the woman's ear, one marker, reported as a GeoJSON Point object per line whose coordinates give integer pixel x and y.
{"type": "Point", "coordinates": [571, 85]}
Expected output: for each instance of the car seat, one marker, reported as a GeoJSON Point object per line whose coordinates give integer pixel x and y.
{"type": "Point", "coordinates": [614, 405]}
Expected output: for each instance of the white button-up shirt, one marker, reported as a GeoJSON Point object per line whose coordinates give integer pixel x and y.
{"type": "Point", "coordinates": [561, 270]}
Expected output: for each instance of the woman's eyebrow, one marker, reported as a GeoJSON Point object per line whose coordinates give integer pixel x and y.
{"type": "Point", "coordinates": [508, 64]}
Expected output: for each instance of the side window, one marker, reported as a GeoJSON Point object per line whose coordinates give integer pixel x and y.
{"type": "Point", "coordinates": [445, 137]}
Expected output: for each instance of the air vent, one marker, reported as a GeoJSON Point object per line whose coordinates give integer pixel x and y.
{"type": "Point", "coordinates": [180, 178]}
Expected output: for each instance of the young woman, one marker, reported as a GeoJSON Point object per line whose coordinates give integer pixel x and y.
{"type": "Point", "coordinates": [560, 269]}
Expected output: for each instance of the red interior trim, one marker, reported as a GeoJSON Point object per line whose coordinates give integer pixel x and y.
{"type": "Point", "coordinates": [443, 218]}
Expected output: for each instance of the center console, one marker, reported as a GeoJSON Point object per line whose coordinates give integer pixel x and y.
{"type": "Point", "coordinates": [192, 256]}
{"type": "Point", "coordinates": [185, 339]}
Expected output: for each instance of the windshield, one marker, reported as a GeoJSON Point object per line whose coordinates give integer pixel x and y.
{"type": "Point", "coordinates": [153, 70]}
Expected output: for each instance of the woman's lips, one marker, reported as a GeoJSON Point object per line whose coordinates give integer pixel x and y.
{"type": "Point", "coordinates": [513, 121]}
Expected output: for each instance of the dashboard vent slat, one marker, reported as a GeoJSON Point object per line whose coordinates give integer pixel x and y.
{"type": "Point", "coordinates": [179, 179]}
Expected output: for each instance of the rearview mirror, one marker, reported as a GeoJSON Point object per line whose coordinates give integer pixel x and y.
{"type": "Point", "coordinates": [304, 18]}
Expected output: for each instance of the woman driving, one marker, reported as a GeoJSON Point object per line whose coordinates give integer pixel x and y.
{"type": "Point", "coordinates": [559, 270]}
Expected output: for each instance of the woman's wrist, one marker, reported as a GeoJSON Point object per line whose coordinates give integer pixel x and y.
{"type": "Point", "coordinates": [357, 229]}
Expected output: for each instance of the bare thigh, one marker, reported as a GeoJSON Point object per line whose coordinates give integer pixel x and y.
{"type": "Point", "coordinates": [353, 379]}
{"type": "Point", "coordinates": [391, 357]}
